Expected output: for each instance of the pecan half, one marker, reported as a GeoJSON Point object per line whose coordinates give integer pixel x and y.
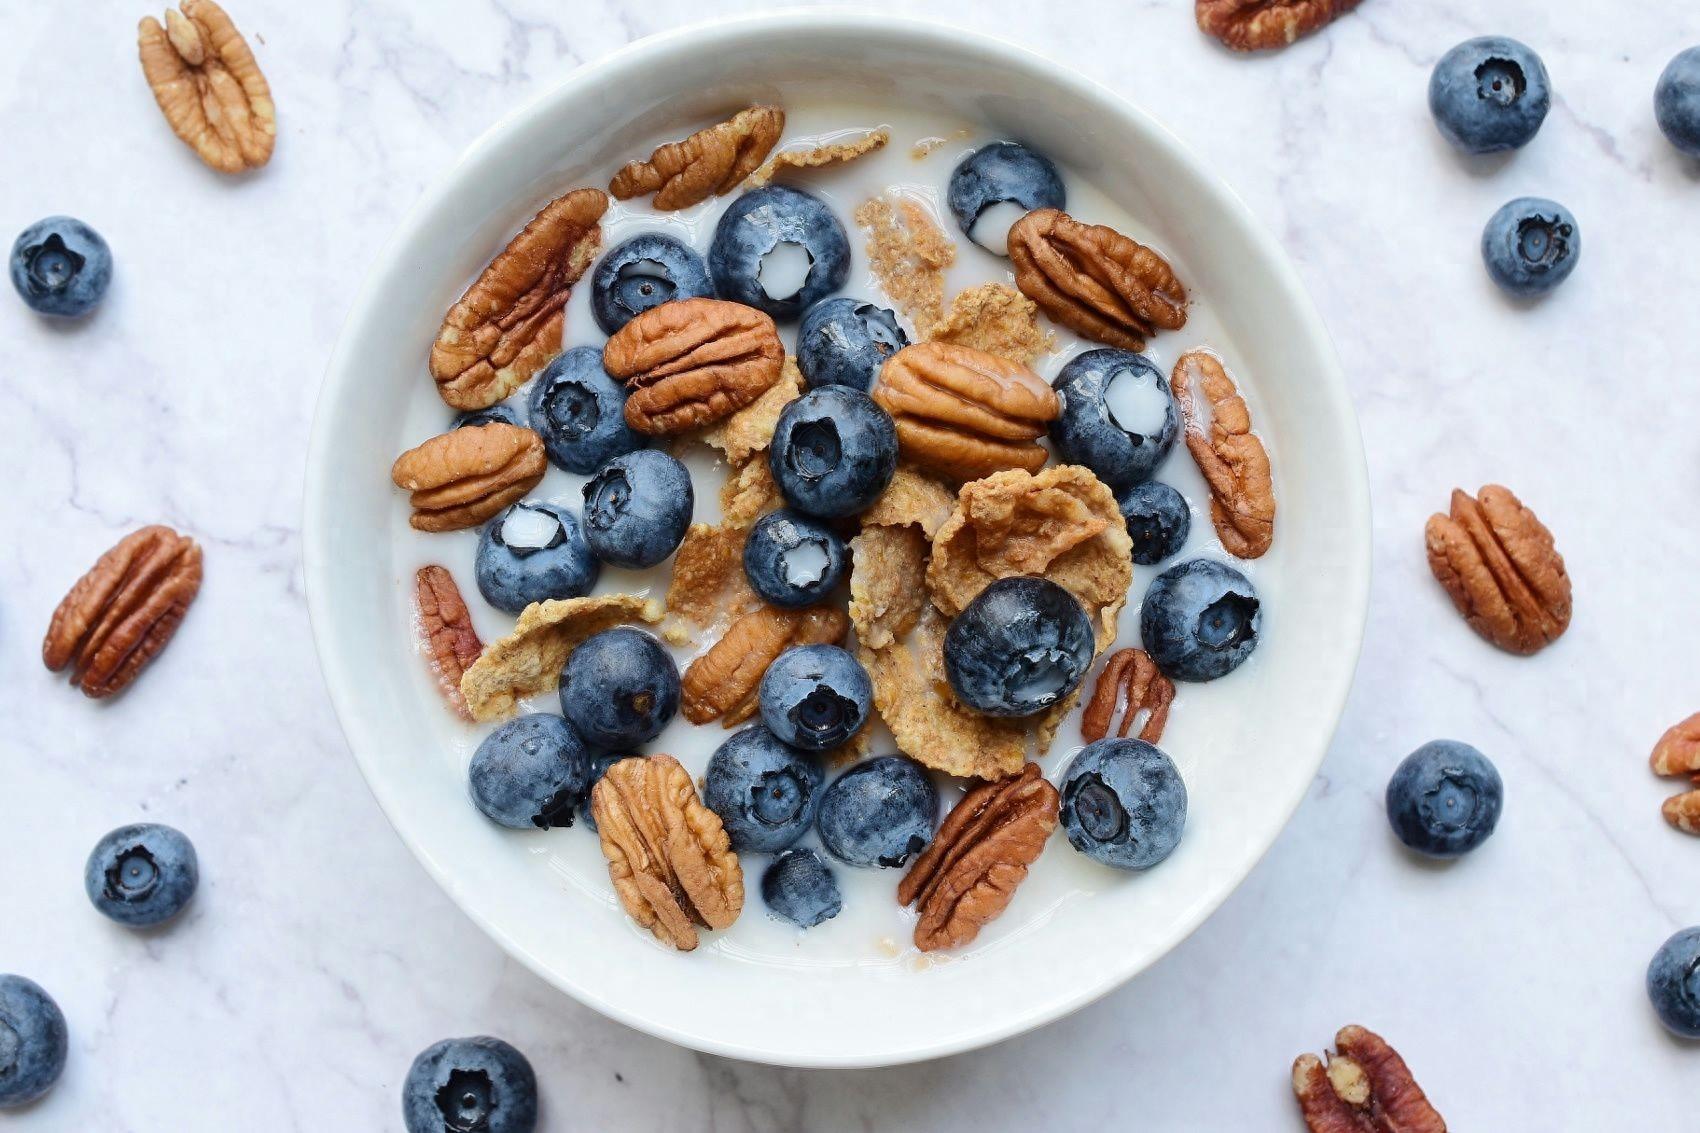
{"type": "Point", "coordinates": [445, 629]}
{"type": "Point", "coordinates": [693, 362]}
{"type": "Point", "coordinates": [1678, 750]}
{"type": "Point", "coordinates": [1498, 563]}
{"type": "Point", "coordinates": [1232, 458]}
{"type": "Point", "coordinates": [722, 683]}
{"type": "Point", "coordinates": [668, 855]}
{"type": "Point", "coordinates": [1683, 811]}
{"type": "Point", "coordinates": [966, 877]}
{"type": "Point", "coordinates": [709, 162]}
{"type": "Point", "coordinates": [1363, 1088]}
{"type": "Point", "coordinates": [1259, 25]}
{"type": "Point", "coordinates": [507, 325]}
{"type": "Point", "coordinates": [208, 86]}
{"type": "Point", "coordinates": [1130, 681]}
{"type": "Point", "coordinates": [465, 476]}
{"type": "Point", "coordinates": [124, 611]}
{"type": "Point", "coordinates": [1094, 280]}
{"type": "Point", "coordinates": [963, 413]}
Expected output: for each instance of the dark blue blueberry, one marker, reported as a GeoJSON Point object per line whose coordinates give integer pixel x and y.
{"type": "Point", "coordinates": [764, 790]}
{"type": "Point", "coordinates": [792, 560]}
{"type": "Point", "coordinates": [1018, 648]}
{"type": "Point", "coordinates": [619, 688]}
{"type": "Point", "coordinates": [1158, 521]}
{"type": "Point", "coordinates": [845, 341]}
{"type": "Point", "coordinates": [1118, 417]}
{"type": "Point", "coordinates": [33, 1041]}
{"type": "Point", "coordinates": [61, 267]}
{"type": "Point", "coordinates": [1444, 799]}
{"type": "Point", "coordinates": [1673, 983]}
{"type": "Point", "coordinates": [580, 412]}
{"type": "Point", "coordinates": [476, 1085]}
{"type": "Point", "coordinates": [800, 888]}
{"type": "Point", "coordinates": [643, 272]}
{"type": "Point", "coordinates": [779, 250]}
{"type": "Point", "coordinates": [1489, 94]}
{"type": "Point", "coordinates": [504, 413]}
{"type": "Point", "coordinates": [1531, 246]}
{"type": "Point", "coordinates": [880, 812]}
{"type": "Point", "coordinates": [1200, 620]}
{"type": "Point", "coordinates": [815, 696]}
{"type": "Point", "coordinates": [599, 765]}
{"type": "Point", "coordinates": [1676, 102]}
{"type": "Point", "coordinates": [534, 770]}
{"type": "Point", "coordinates": [833, 452]}
{"type": "Point", "coordinates": [142, 875]}
{"type": "Point", "coordinates": [1007, 174]}
{"type": "Point", "coordinates": [531, 552]}
{"type": "Point", "coordinates": [1123, 804]}
{"type": "Point", "coordinates": [636, 508]}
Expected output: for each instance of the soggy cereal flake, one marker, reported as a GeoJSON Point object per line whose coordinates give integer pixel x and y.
{"type": "Point", "coordinates": [886, 594]}
{"type": "Point", "coordinates": [750, 430]}
{"type": "Point", "coordinates": [528, 661]}
{"type": "Point", "coordinates": [998, 319]}
{"type": "Point", "coordinates": [908, 254]}
{"type": "Point", "coordinates": [708, 576]}
{"type": "Point", "coordinates": [827, 153]}
{"type": "Point", "coordinates": [911, 497]}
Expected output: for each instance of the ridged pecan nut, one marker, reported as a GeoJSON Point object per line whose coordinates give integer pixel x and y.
{"type": "Point", "coordinates": [507, 325]}
{"type": "Point", "coordinates": [709, 162]}
{"type": "Point", "coordinates": [1130, 681]}
{"type": "Point", "coordinates": [1498, 563]}
{"type": "Point", "coordinates": [1365, 1087]}
{"type": "Point", "coordinates": [208, 86]}
{"type": "Point", "coordinates": [1234, 462]}
{"type": "Point", "coordinates": [962, 413]}
{"type": "Point", "coordinates": [693, 362]}
{"type": "Point", "coordinates": [668, 855]}
{"type": "Point", "coordinates": [463, 477]}
{"type": "Point", "coordinates": [1094, 280]}
{"type": "Point", "coordinates": [124, 611]}
{"type": "Point", "coordinates": [1259, 25]}
{"type": "Point", "coordinates": [722, 683]}
{"type": "Point", "coordinates": [1678, 750]}
{"type": "Point", "coordinates": [1683, 812]}
{"type": "Point", "coordinates": [445, 629]}
{"type": "Point", "coordinates": [966, 877]}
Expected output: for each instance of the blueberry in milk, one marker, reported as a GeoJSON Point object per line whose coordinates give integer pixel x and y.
{"type": "Point", "coordinates": [792, 560]}
{"type": "Point", "coordinates": [779, 250]}
{"type": "Point", "coordinates": [997, 185]}
{"type": "Point", "coordinates": [833, 452]}
{"type": "Point", "coordinates": [1118, 417]}
{"type": "Point", "coordinates": [531, 552]}
{"type": "Point", "coordinates": [643, 272]}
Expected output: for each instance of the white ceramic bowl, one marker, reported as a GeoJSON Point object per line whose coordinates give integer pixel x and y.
{"type": "Point", "coordinates": [1262, 761]}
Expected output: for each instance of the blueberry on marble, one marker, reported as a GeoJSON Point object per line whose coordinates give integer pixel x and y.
{"type": "Point", "coordinates": [473, 1085]}
{"type": "Point", "coordinates": [833, 452]}
{"type": "Point", "coordinates": [1531, 246]}
{"type": "Point", "coordinates": [997, 185]}
{"type": "Point", "coordinates": [1673, 983]}
{"type": "Point", "coordinates": [880, 812]}
{"type": "Point", "coordinates": [1118, 417]}
{"type": "Point", "coordinates": [1489, 94]}
{"type": "Point", "coordinates": [779, 250]}
{"type": "Point", "coordinates": [1676, 102]}
{"type": "Point", "coordinates": [531, 552]}
{"type": "Point", "coordinates": [142, 875]}
{"type": "Point", "coordinates": [532, 771]}
{"type": "Point", "coordinates": [644, 272]}
{"type": "Point", "coordinates": [599, 765]}
{"type": "Point", "coordinates": [845, 341]}
{"type": "Point", "coordinates": [61, 267]}
{"type": "Point", "coordinates": [1444, 799]}
{"type": "Point", "coordinates": [637, 507]}
{"type": "Point", "coordinates": [503, 414]}
{"type": "Point", "coordinates": [619, 688]}
{"type": "Point", "coordinates": [580, 412]}
{"type": "Point", "coordinates": [791, 560]}
{"type": "Point", "coordinates": [1158, 521]}
{"type": "Point", "coordinates": [1200, 620]}
{"type": "Point", "coordinates": [799, 887]}
{"type": "Point", "coordinates": [33, 1041]}
{"type": "Point", "coordinates": [764, 790]}
{"type": "Point", "coordinates": [1018, 648]}
{"type": "Point", "coordinates": [1123, 803]}
{"type": "Point", "coordinates": [815, 696]}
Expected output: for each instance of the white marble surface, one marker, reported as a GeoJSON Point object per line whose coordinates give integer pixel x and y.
{"type": "Point", "coordinates": [319, 958]}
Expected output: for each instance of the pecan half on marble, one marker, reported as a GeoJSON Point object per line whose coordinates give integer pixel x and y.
{"type": "Point", "coordinates": [507, 325]}
{"type": "Point", "coordinates": [463, 477]}
{"type": "Point", "coordinates": [208, 86]}
{"type": "Point", "coordinates": [709, 162]}
{"type": "Point", "coordinates": [692, 362]}
{"type": "Point", "coordinates": [1260, 25]}
{"type": "Point", "coordinates": [1683, 811]}
{"type": "Point", "coordinates": [1678, 750]}
{"type": "Point", "coordinates": [1130, 681]}
{"type": "Point", "coordinates": [1232, 458]}
{"type": "Point", "coordinates": [1364, 1087]}
{"type": "Point", "coordinates": [445, 629]}
{"type": "Point", "coordinates": [722, 683]}
{"type": "Point", "coordinates": [1094, 280]}
{"type": "Point", "coordinates": [1499, 564]}
{"type": "Point", "coordinates": [962, 413]}
{"type": "Point", "coordinates": [124, 611]}
{"type": "Point", "coordinates": [967, 875]}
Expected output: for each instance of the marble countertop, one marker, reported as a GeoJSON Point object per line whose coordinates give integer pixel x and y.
{"type": "Point", "coordinates": [319, 957]}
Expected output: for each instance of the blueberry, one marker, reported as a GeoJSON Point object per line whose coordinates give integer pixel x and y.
{"type": "Point", "coordinates": [792, 560]}
{"type": "Point", "coordinates": [643, 272]}
{"type": "Point", "coordinates": [620, 688]}
{"type": "Point", "coordinates": [1489, 94]}
{"type": "Point", "coordinates": [531, 771]}
{"type": "Point", "coordinates": [997, 185]}
{"type": "Point", "coordinates": [833, 452]}
{"type": "Point", "coordinates": [599, 765]}
{"type": "Point", "coordinates": [1200, 620]}
{"type": "Point", "coordinates": [880, 812]}
{"type": "Point", "coordinates": [580, 412]}
{"type": "Point", "coordinates": [1123, 803]}
{"type": "Point", "coordinates": [142, 875]}
{"type": "Point", "coordinates": [1444, 799]}
{"type": "Point", "coordinates": [779, 250]}
{"type": "Point", "coordinates": [636, 508]}
{"type": "Point", "coordinates": [845, 341]}
{"type": "Point", "coordinates": [61, 267]}
{"type": "Point", "coordinates": [1531, 246]}
{"type": "Point", "coordinates": [1158, 521]}
{"type": "Point", "coordinates": [800, 888]}
{"type": "Point", "coordinates": [33, 1041]}
{"type": "Point", "coordinates": [1673, 983]}
{"type": "Point", "coordinates": [763, 789]}
{"type": "Point", "coordinates": [1018, 648]}
{"type": "Point", "coordinates": [506, 414]}
{"type": "Point", "coordinates": [531, 552]}
{"type": "Point", "coordinates": [476, 1085]}
{"type": "Point", "coordinates": [1118, 417]}
{"type": "Point", "coordinates": [815, 696]}
{"type": "Point", "coordinates": [1676, 102]}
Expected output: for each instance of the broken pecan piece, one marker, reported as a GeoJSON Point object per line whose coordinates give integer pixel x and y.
{"type": "Point", "coordinates": [1232, 458]}
{"type": "Point", "coordinates": [1499, 564]}
{"type": "Point", "coordinates": [709, 162]}
{"type": "Point", "coordinates": [1094, 280]}
{"type": "Point", "coordinates": [445, 629]}
{"type": "Point", "coordinates": [1259, 25]}
{"type": "Point", "coordinates": [463, 477]}
{"type": "Point", "coordinates": [1678, 750]}
{"type": "Point", "coordinates": [722, 683]}
{"type": "Point", "coordinates": [962, 413]}
{"type": "Point", "coordinates": [693, 362]}
{"type": "Point", "coordinates": [124, 611]}
{"type": "Point", "coordinates": [1130, 681]}
{"type": "Point", "coordinates": [208, 86]}
{"type": "Point", "coordinates": [1363, 1088]}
